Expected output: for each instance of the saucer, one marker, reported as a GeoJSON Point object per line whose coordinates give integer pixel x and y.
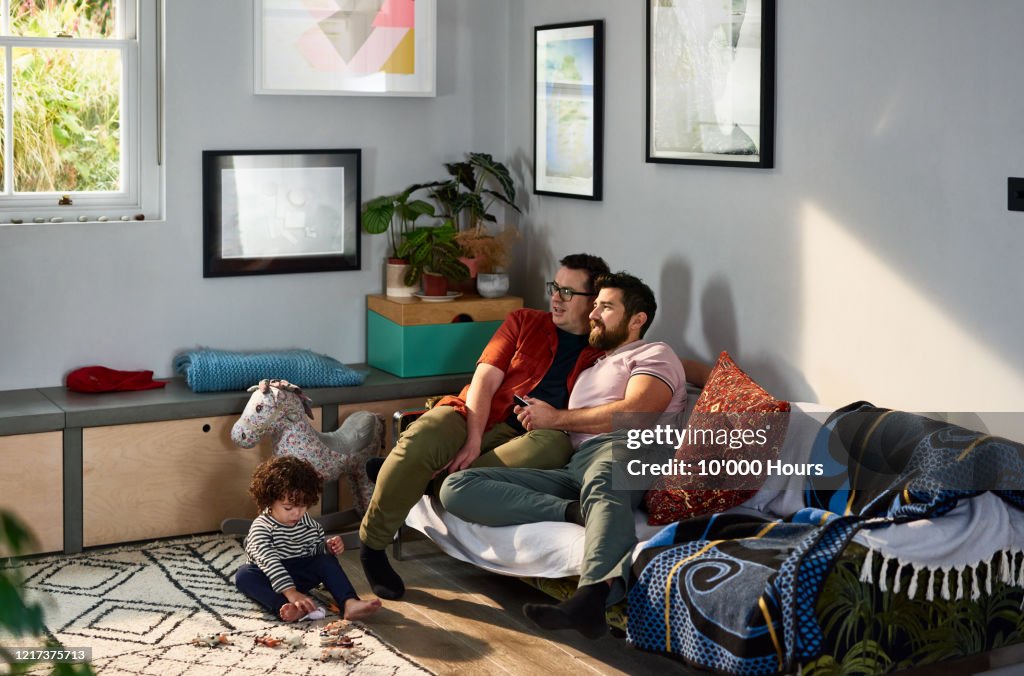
{"type": "Point", "coordinates": [452, 295]}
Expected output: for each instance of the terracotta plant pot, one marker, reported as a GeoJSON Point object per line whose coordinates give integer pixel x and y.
{"type": "Point", "coordinates": [434, 284]}
{"type": "Point", "coordinates": [394, 284]}
{"type": "Point", "coordinates": [466, 285]}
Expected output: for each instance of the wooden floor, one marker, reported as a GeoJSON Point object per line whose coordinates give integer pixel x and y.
{"type": "Point", "coordinates": [458, 619]}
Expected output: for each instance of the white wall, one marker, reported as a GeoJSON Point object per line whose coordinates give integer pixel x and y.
{"type": "Point", "coordinates": [878, 259]}
{"type": "Point", "coordinates": [131, 296]}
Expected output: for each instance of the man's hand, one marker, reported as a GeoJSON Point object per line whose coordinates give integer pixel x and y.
{"type": "Point", "coordinates": [539, 415]}
{"type": "Point", "coordinates": [466, 456]}
{"type": "Point", "coordinates": [335, 545]}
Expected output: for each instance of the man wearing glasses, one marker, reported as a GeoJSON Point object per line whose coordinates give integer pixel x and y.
{"type": "Point", "coordinates": [633, 376]}
{"type": "Point", "coordinates": [533, 353]}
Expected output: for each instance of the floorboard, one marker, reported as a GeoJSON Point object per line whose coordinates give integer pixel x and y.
{"type": "Point", "coordinates": [458, 619]}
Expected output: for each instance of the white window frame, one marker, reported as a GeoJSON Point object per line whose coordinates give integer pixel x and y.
{"type": "Point", "coordinates": [140, 28]}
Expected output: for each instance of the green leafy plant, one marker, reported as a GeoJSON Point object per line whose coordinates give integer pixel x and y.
{"type": "Point", "coordinates": [19, 617]}
{"type": "Point", "coordinates": [873, 632]}
{"type": "Point", "coordinates": [67, 122]}
{"type": "Point", "coordinates": [432, 249]}
{"type": "Point", "coordinates": [396, 215]}
{"type": "Point", "coordinates": [477, 184]}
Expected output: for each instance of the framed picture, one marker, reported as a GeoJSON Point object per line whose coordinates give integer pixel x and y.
{"type": "Point", "coordinates": [278, 211]}
{"type": "Point", "coordinates": [711, 82]}
{"type": "Point", "coordinates": [568, 109]}
{"type": "Point", "coordinates": [345, 47]}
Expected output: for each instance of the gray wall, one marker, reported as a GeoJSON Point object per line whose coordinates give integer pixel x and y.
{"type": "Point", "coordinates": [131, 296]}
{"type": "Point", "coordinates": [877, 260]}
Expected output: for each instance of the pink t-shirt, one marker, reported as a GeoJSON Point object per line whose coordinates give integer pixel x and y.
{"type": "Point", "coordinates": [606, 380]}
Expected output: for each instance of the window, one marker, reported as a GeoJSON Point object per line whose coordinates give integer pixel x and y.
{"type": "Point", "coordinates": [79, 91]}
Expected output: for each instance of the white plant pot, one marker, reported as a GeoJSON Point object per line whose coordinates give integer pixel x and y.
{"type": "Point", "coordinates": [395, 282]}
{"type": "Point", "coordinates": [492, 284]}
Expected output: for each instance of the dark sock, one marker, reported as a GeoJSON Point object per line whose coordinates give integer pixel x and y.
{"type": "Point", "coordinates": [373, 466]}
{"type": "Point", "coordinates": [386, 583]}
{"type": "Point", "coordinates": [584, 612]}
{"type": "Point", "coordinates": [574, 513]}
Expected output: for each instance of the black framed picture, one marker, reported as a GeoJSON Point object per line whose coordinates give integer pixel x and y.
{"type": "Point", "coordinates": [280, 211]}
{"type": "Point", "coordinates": [711, 82]}
{"type": "Point", "coordinates": [568, 109]}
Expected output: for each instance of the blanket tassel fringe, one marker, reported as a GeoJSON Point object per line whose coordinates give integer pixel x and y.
{"type": "Point", "coordinates": [965, 580]}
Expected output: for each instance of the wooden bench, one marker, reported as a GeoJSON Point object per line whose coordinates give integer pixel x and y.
{"type": "Point", "coordinates": [84, 470]}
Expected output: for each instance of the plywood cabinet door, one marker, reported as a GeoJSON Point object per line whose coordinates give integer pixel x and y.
{"type": "Point", "coordinates": [32, 485]}
{"type": "Point", "coordinates": [160, 479]}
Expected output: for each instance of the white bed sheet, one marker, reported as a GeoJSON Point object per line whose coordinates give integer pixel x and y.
{"type": "Point", "coordinates": [555, 549]}
{"type": "Point", "coordinates": [544, 549]}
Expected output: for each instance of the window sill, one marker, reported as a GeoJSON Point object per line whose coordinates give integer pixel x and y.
{"type": "Point", "coordinates": [83, 220]}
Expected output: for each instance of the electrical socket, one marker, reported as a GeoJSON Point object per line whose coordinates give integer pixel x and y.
{"type": "Point", "coordinates": [1015, 198]}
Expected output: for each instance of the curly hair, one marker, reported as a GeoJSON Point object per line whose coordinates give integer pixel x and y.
{"type": "Point", "coordinates": [285, 478]}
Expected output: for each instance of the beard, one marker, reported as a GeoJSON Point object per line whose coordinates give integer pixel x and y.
{"type": "Point", "coordinates": [604, 338]}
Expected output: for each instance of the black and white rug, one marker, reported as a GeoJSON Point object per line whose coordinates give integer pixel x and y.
{"type": "Point", "coordinates": [141, 608]}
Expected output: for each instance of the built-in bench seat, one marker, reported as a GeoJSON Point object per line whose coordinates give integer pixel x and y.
{"type": "Point", "coordinates": [85, 470]}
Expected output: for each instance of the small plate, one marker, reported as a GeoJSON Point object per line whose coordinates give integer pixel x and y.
{"type": "Point", "coordinates": [452, 295]}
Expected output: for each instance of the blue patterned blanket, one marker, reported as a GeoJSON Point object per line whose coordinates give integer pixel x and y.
{"type": "Point", "coordinates": [737, 594]}
{"type": "Point", "coordinates": [220, 371]}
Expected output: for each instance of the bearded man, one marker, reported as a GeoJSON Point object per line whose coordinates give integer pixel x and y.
{"type": "Point", "coordinates": [633, 376]}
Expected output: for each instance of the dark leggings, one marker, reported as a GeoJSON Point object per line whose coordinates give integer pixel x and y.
{"type": "Point", "coordinates": [307, 572]}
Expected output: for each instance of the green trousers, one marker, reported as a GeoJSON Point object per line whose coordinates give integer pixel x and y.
{"type": "Point", "coordinates": [427, 446]}
{"type": "Point", "coordinates": [503, 497]}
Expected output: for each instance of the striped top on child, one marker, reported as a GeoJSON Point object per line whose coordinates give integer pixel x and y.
{"type": "Point", "coordinates": [269, 542]}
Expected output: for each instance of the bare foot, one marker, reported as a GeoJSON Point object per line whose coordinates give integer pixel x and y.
{"type": "Point", "coordinates": [290, 612]}
{"type": "Point", "coordinates": [357, 609]}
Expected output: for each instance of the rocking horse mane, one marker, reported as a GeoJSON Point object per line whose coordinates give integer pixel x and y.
{"type": "Point", "coordinates": [266, 384]}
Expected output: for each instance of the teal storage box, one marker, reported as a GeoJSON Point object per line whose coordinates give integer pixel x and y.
{"type": "Point", "coordinates": [411, 341]}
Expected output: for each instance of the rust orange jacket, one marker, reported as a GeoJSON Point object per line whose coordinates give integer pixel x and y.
{"type": "Point", "coordinates": [523, 347]}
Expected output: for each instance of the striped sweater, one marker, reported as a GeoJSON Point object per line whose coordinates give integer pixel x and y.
{"type": "Point", "coordinates": [269, 542]}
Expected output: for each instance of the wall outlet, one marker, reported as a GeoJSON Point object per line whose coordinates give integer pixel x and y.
{"type": "Point", "coordinates": [1015, 200]}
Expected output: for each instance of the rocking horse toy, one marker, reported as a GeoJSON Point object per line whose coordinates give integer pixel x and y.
{"type": "Point", "coordinates": [281, 409]}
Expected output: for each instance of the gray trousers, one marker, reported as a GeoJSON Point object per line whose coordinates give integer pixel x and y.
{"type": "Point", "coordinates": [427, 446]}
{"type": "Point", "coordinates": [506, 496]}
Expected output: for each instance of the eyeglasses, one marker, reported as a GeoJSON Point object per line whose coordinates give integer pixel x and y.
{"type": "Point", "coordinates": [565, 293]}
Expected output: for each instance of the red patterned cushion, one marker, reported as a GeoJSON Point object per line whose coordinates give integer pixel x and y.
{"type": "Point", "coordinates": [728, 390]}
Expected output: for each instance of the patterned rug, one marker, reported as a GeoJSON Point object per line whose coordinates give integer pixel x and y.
{"type": "Point", "coordinates": [141, 607]}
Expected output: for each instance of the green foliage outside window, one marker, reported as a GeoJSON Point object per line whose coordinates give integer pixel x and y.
{"type": "Point", "coordinates": [67, 101]}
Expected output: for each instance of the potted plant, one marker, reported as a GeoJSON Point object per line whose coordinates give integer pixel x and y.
{"type": "Point", "coordinates": [21, 616]}
{"type": "Point", "coordinates": [477, 184]}
{"type": "Point", "coordinates": [396, 215]}
{"type": "Point", "coordinates": [433, 256]}
{"type": "Point", "coordinates": [491, 254]}
{"type": "Point", "coordinates": [475, 187]}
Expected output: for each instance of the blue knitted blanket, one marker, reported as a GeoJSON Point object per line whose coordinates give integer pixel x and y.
{"type": "Point", "coordinates": [220, 371]}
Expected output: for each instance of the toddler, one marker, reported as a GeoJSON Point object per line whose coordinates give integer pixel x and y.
{"type": "Point", "coordinates": [287, 552]}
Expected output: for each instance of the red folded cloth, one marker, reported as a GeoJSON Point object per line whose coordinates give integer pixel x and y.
{"type": "Point", "coordinates": [103, 379]}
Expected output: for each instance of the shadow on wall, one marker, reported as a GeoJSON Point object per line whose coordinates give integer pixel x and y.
{"type": "Point", "coordinates": [720, 326]}
{"type": "Point", "coordinates": [722, 332]}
